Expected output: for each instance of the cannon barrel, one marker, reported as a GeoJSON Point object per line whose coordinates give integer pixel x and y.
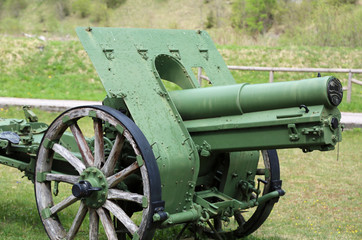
{"type": "Point", "coordinates": [242, 98]}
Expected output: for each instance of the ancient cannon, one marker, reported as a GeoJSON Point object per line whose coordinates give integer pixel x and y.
{"type": "Point", "coordinates": [150, 158]}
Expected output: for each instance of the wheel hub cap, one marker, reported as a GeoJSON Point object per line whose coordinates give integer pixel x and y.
{"type": "Point", "coordinates": [92, 187]}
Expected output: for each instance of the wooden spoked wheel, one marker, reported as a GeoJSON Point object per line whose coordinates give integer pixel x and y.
{"type": "Point", "coordinates": [245, 222]}
{"type": "Point", "coordinates": [97, 179]}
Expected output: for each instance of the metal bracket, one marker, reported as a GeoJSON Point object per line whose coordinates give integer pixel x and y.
{"type": "Point", "coordinates": [46, 213]}
{"type": "Point", "coordinates": [139, 160]}
{"type": "Point", "coordinates": [48, 144]}
{"type": "Point", "coordinates": [4, 144]}
{"type": "Point", "coordinates": [144, 202]}
{"type": "Point", "coordinates": [56, 188]}
{"type": "Point", "coordinates": [135, 236]}
{"type": "Point", "coordinates": [142, 51]}
{"type": "Point", "coordinates": [92, 114]}
{"type": "Point", "coordinates": [41, 176]}
{"type": "Point", "coordinates": [276, 184]}
{"type": "Point", "coordinates": [109, 52]}
{"type": "Point", "coordinates": [175, 52]}
{"type": "Point", "coordinates": [30, 116]}
{"type": "Point", "coordinates": [120, 129]}
{"type": "Point", "coordinates": [159, 212]}
{"type": "Point", "coordinates": [318, 131]}
{"type": "Point", "coordinates": [66, 120]}
{"type": "Point", "coordinates": [204, 53]}
{"type": "Point", "coordinates": [293, 132]}
{"type": "Point", "coordinates": [205, 149]}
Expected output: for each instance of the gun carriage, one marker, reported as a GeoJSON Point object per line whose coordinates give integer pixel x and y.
{"type": "Point", "coordinates": [153, 158]}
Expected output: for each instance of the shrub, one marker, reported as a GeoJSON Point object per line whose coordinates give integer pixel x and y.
{"type": "Point", "coordinates": [10, 25]}
{"type": "Point", "coordinates": [210, 20]}
{"type": "Point", "coordinates": [114, 3]}
{"type": "Point", "coordinates": [255, 16]}
{"type": "Point", "coordinates": [99, 12]}
{"type": "Point", "coordinates": [14, 7]}
{"type": "Point", "coordinates": [82, 7]}
{"type": "Point", "coordinates": [323, 24]}
{"type": "Point", "coordinates": [62, 8]}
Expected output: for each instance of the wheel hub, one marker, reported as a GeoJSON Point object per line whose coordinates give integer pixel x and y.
{"type": "Point", "coordinates": [92, 187]}
{"type": "Point", "coordinates": [83, 189]}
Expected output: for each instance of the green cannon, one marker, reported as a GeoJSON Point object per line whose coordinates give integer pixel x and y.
{"type": "Point", "coordinates": [150, 158]}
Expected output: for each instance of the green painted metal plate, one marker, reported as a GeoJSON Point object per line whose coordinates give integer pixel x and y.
{"type": "Point", "coordinates": [131, 63]}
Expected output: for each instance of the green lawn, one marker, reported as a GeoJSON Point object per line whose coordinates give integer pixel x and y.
{"type": "Point", "coordinates": [322, 198]}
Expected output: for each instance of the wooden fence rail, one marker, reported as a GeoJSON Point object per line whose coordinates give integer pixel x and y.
{"type": "Point", "coordinates": [271, 71]}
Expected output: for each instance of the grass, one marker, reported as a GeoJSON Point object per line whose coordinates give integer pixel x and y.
{"type": "Point", "coordinates": [322, 200]}
{"type": "Point", "coordinates": [31, 68]}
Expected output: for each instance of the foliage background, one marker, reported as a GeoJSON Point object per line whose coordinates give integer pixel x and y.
{"type": "Point", "coordinates": [242, 22]}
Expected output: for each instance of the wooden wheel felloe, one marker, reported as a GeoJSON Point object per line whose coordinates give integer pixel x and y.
{"type": "Point", "coordinates": [100, 179]}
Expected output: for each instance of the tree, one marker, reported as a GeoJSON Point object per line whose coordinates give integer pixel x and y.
{"type": "Point", "coordinates": [255, 16]}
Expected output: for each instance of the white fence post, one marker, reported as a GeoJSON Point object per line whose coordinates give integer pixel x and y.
{"type": "Point", "coordinates": [271, 76]}
{"type": "Point", "coordinates": [349, 90]}
{"type": "Point", "coordinates": [199, 71]}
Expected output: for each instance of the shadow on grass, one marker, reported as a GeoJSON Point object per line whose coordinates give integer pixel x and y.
{"type": "Point", "coordinates": [172, 232]}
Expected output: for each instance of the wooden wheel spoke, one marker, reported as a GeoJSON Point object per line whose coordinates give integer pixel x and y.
{"type": "Point", "coordinates": [118, 177]}
{"type": "Point", "coordinates": [65, 153]}
{"type": "Point", "coordinates": [123, 195]}
{"type": "Point", "coordinates": [107, 224]}
{"type": "Point", "coordinates": [93, 224]}
{"type": "Point", "coordinates": [98, 143]}
{"type": "Point", "coordinates": [113, 156]}
{"type": "Point", "coordinates": [121, 216]}
{"type": "Point", "coordinates": [63, 204]}
{"type": "Point", "coordinates": [77, 222]}
{"type": "Point", "coordinates": [82, 144]}
{"type": "Point", "coordinates": [62, 178]}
